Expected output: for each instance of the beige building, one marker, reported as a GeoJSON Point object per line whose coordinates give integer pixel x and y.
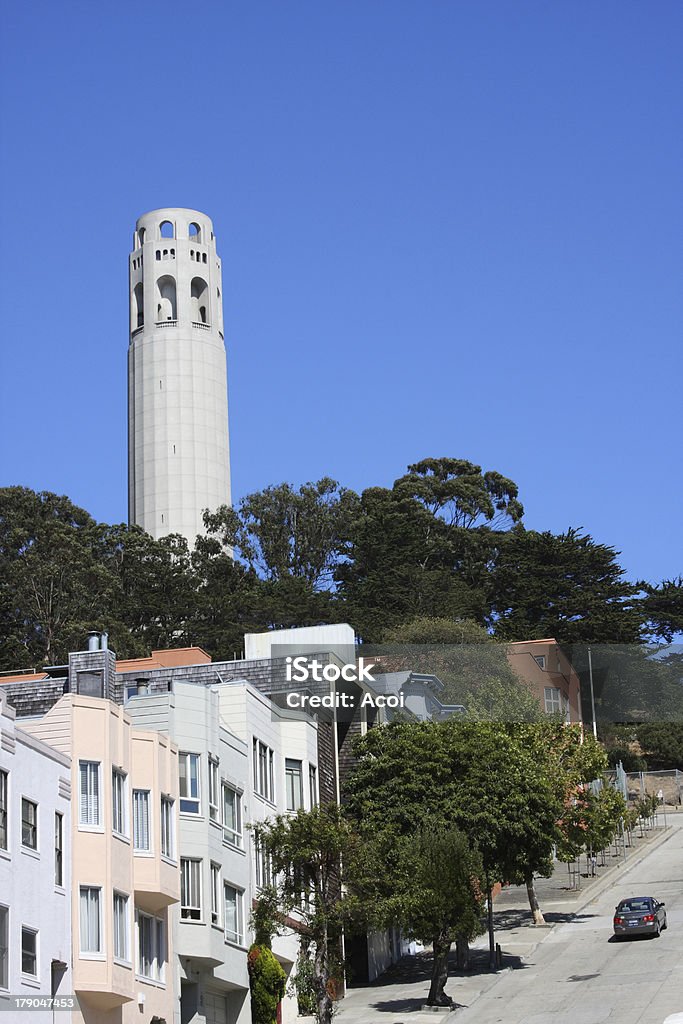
{"type": "Point", "coordinates": [125, 877]}
{"type": "Point", "coordinates": [547, 670]}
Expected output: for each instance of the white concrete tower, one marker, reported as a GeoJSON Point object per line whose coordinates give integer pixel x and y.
{"type": "Point", "coordinates": [178, 448]}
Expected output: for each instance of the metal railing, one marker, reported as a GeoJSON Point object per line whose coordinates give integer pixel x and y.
{"type": "Point", "coordinates": [166, 323]}
{"type": "Point", "coordinates": [202, 327]}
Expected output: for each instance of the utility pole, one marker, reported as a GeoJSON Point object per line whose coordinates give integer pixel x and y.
{"type": "Point", "coordinates": [590, 676]}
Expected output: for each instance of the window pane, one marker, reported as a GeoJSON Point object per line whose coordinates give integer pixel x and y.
{"type": "Point", "coordinates": [190, 889]}
{"type": "Point", "coordinates": [89, 793]}
{"type": "Point", "coordinates": [29, 824]}
{"type": "Point", "coordinates": [3, 810]}
{"type": "Point", "coordinates": [141, 836]}
{"type": "Point", "coordinates": [91, 941]}
{"type": "Point", "coordinates": [29, 951]}
{"type": "Point", "coordinates": [120, 926]}
{"type": "Point", "coordinates": [294, 784]}
{"type": "Point", "coordinates": [59, 839]}
{"type": "Point", "coordinates": [4, 947]}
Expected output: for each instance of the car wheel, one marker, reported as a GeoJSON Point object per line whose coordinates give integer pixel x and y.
{"type": "Point", "coordinates": [665, 925]}
{"type": "Point", "coordinates": [658, 932]}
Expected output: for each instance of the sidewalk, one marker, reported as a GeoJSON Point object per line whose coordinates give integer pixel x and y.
{"type": "Point", "coordinates": [397, 997]}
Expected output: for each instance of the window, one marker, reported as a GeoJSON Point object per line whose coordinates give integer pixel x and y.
{"type": "Point", "coordinates": [553, 700]}
{"type": "Point", "coordinates": [233, 912]}
{"type": "Point", "coordinates": [3, 809]}
{"type": "Point", "coordinates": [189, 783]}
{"type": "Point", "coordinates": [215, 893]}
{"type": "Point", "coordinates": [190, 889]}
{"type": "Point", "coordinates": [59, 849]}
{"type": "Point", "coordinates": [91, 919]}
{"type": "Point", "coordinates": [151, 947]}
{"type": "Point", "coordinates": [166, 229]}
{"type": "Point", "coordinates": [119, 802]}
{"type": "Point", "coordinates": [264, 867]}
{"type": "Point", "coordinates": [121, 943]}
{"type": "Point", "coordinates": [29, 824]}
{"type": "Point", "coordinates": [263, 759]}
{"type": "Point", "coordinates": [141, 837]}
{"type": "Point", "coordinates": [232, 815]}
{"type": "Point", "coordinates": [540, 660]}
{"type": "Point", "coordinates": [167, 828]}
{"type": "Point", "coordinates": [294, 784]}
{"type": "Point", "coordinates": [313, 785]}
{"type": "Point", "coordinates": [89, 794]}
{"type": "Point", "coordinates": [4, 947]}
{"type": "Point", "coordinates": [29, 952]}
{"type": "Point", "coordinates": [214, 812]}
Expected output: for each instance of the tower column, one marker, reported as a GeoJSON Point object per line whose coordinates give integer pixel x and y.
{"type": "Point", "coordinates": [178, 445]}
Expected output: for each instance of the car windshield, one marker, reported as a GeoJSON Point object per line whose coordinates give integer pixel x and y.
{"type": "Point", "coordinates": [635, 906]}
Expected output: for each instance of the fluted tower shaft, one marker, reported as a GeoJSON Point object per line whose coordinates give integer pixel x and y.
{"type": "Point", "coordinates": [178, 445]}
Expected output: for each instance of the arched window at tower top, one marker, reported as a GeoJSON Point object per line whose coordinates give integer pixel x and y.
{"type": "Point", "coordinates": [195, 232]}
{"type": "Point", "coordinates": [141, 236]}
{"type": "Point", "coordinates": [166, 229]}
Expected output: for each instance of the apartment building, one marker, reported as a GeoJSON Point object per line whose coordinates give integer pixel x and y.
{"type": "Point", "coordinates": [35, 866]}
{"type": "Point", "coordinates": [241, 760]}
{"type": "Point", "coordinates": [124, 859]}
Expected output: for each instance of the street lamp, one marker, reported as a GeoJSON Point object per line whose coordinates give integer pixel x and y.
{"type": "Point", "coordinates": [590, 677]}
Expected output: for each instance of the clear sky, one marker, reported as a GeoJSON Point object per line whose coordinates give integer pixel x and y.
{"type": "Point", "coordinates": [447, 228]}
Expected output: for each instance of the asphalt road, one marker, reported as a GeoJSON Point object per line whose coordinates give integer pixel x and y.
{"type": "Point", "coordinates": [579, 975]}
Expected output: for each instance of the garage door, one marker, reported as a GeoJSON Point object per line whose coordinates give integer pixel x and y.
{"type": "Point", "coordinates": [215, 1009]}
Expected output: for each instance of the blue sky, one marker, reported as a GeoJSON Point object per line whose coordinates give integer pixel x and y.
{"type": "Point", "coordinates": [446, 228]}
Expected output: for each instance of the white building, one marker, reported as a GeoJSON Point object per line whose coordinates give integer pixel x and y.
{"type": "Point", "coordinates": [241, 760]}
{"type": "Point", "coordinates": [35, 866]}
{"type": "Point", "coordinates": [178, 450]}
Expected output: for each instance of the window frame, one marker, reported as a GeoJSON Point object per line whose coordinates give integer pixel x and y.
{"type": "Point", "coordinates": [28, 930]}
{"type": "Point", "coordinates": [4, 809]}
{"type": "Point", "coordinates": [90, 954]}
{"type": "Point", "coordinates": [552, 704]}
{"type": "Point", "coordinates": [216, 889]}
{"type": "Point", "coordinates": [168, 840]}
{"type": "Point", "coordinates": [294, 769]}
{"type": "Point", "coordinates": [4, 949]}
{"type": "Point", "coordinates": [137, 848]}
{"type": "Point", "coordinates": [235, 837]}
{"type": "Point", "coordinates": [158, 946]}
{"type": "Point", "coordinates": [263, 763]}
{"type": "Point", "coordinates": [313, 794]}
{"type": "Point", "coordinates": [196, 801]}
{"type": "Point", "coordinates": [84, 824]}
{"type": "Point", "coordinates": [194, 909]}
{"type": "Point", "coordinates": [121, 897]}
{"type": "Point", "coordinates": [118, 776]}
{"type": "Point", "coordinates": [214, 790]}
{"type": "Point", "coordinates": [235, 938]}
{"type": "Point", "coordinates": [34, 847]}
{"type": "Point", "coordinates": [59, 850]}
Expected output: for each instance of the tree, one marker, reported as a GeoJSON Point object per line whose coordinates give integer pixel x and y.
{"type": "Point", "coordinates": [459, 493]}
{"type": "Point", "coordinates": [310, 852]}
{"type": "Point", "coordinates": [480, 777]}
{"type": "Point", "coordinates": [54, 585]}
{"type": "Point", "coordinates": [662, 609]}
{"type": "Point", "coordinates": [565, 586]}
{"type": "Point", "coordinates": [472, 666]}
{"type": "Point", "coordinates": [438, 897]}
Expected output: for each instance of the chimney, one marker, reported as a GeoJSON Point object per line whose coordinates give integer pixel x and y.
{"type": "Point", "coordinates": [104, 641]}
{"type": "Point", "coordinates": [143, 686]}
{"type": "Point", "coordinates": [93, 640]}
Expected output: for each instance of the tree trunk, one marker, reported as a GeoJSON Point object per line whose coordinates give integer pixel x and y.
{"type": "Point", "coordinates": [462, 953]}
{"type": "Point", "coordinates": [322, 983]}
{"type": "Point", "coordinates": [437, 995]}
{"type": "Point", "coordinates": [533, 900]}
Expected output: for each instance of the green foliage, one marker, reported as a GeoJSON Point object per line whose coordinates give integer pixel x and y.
{"type": "Point", "coordinates": [267, 982]}
{"type": "Point", "coordinates": [662, 743]}
{"type": "Point", "coordinates": [630, 761]}
{"type": "Point", "coordinates": [314, 854]}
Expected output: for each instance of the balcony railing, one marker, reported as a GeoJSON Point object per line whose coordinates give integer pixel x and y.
{"type": "Point", "coordinates": [166, 323]}
{"type": "Point", "coordinates": [137, 331]}
{"type": "Point", "coordinates": [202, 327]}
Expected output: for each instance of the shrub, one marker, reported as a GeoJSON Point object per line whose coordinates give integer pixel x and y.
{"type": "Point", "coordinates": [267, 984]}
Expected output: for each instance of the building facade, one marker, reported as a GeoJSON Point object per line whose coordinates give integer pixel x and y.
{"type": "Point", "coordinates": [550, 675]}
{"type": "Point", "coordinates": [35, 866]}
{"type": "Point", "coordinates": [178, 448]}
{"type": "Point", "coordinates": [124, 860]}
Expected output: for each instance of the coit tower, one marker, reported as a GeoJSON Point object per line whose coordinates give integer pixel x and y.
{"type": "Point", "coordinates": [178, 448]}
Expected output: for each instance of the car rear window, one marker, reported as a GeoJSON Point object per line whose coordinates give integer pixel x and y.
{"type": "Point", "coordinates": [635, 906]}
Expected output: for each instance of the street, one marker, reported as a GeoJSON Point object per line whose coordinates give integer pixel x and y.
{"type": "Point", "coordinates": [576, 975]}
